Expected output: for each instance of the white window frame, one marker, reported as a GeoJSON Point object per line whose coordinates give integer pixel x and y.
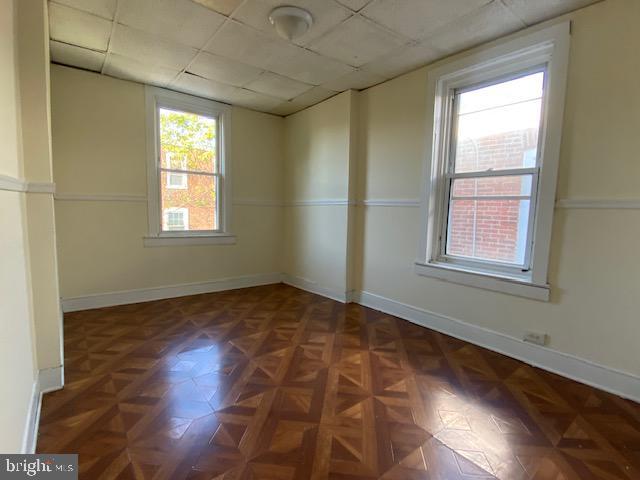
{"type": "Point", "coordinates": [549, 49]}
{"type": "Point", "coordinates": [185, 217]}
{"type": "Point", "coordinates": [157, 98]}
{"type": "Point", "coordinates": [184, 182]}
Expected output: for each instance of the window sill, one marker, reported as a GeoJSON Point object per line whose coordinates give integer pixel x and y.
{"type": "Point", "coordinates": [184, 240]}
{"type": "Point", "coordinates": [486, 281]}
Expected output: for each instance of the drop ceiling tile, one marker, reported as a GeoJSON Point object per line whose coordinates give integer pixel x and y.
{"type": "Point", "coordinates": [249, 46]}
{"type": "Point", "coordinates": [69, 25]}
{"type": "Point", "coordinates": [307, 99]}
{"type": "Point", "coordinates": [221, 69]}
{"type": "Point", "coordinates": [404, 60]}
{"type": "Point", "coordinates": [357, 80]}
{"type": "Point", "coordinates": [278, 86]}
{"type": "Point", "coordinates": [133, 69]}
{"type": "Point", "coordinates": [102, 8]}
{"type": "Point", "coordinates": [180, 21]}
{"type": "Point", "coordinates": [491, 22]}
{"type": "Point", "coordinates": [540, 10]}
{"type": "Point", "coordinates": [418, 18]}
{"type": "Point", "coordinates": [356, 42]}
{"type": "Point", "coordinates": [355, 5]}
{"type": "Point", "coordinates": [309, 67]}
{"type": "Point", "coordinates": [224, 7]}
{"type": "Point", "coordinates": [254, 100]}
{"type": "Point", "coordinates": [150, 49]}
{"type": "Point", "coordinates": [76, 56]}
{"type": "Point", "coordinates": [204, 88]}
{"type": "Point", "coordinates": [326, 15]}
{"type": "Point", "coordinates": [284, 109]}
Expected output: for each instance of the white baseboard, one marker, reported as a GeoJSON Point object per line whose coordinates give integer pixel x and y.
{"type": "Point", "coordinates": [111, 299]}
{"type": "Point", "coordinates": [604, 378]}
{"type": "Point", "coordinates": [47, 380]}
{"type": "Point", "coordinates": [313, 287]}
{"type": "Point", "coordinates": [30, 435]}
{"type": "Point", "coordinates": [51, 379]}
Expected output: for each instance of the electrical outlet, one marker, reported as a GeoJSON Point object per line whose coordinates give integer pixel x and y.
{"type": "Point", "coordinates": [536, 338]}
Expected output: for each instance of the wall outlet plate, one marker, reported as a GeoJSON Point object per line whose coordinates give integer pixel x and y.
{"type": "Point", "coordinates": [536, 338]}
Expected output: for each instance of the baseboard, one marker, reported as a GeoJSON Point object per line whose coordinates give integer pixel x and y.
{"type": "Point", "coordinates": [604, 378]}
{"type": "Point", "coordinates": [111, 299]}
{"type": "Point", "coordinates": [313, 287]}
{"type": "Point", "coordinates": [47, 380]}
{"type": "Point", "coordinates": [30, 435]}
{"type": "Point", "coordinates": [51, 379]}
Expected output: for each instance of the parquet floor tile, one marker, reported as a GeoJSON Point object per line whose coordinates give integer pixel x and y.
{"type": "Point", "coordinates": [276, 383]}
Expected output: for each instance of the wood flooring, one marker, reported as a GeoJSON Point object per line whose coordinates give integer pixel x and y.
{"type": "Point", "coordinates": [276, 383]}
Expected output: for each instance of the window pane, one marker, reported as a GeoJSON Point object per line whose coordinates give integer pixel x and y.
{"type": "Point", "coordinates": [494, 230]}
{"type": "Point", "coordinates": [512, 185]}
{"type": "Point", "coordinates": [198, 200]}
{"type": "Point", "coordinates": [187, 141]}
{"type": "Point", "coordinates": [498, 125]}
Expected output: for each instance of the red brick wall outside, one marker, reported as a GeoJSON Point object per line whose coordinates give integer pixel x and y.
{"type": "Point", "coordinates": [493, 223]}
{"type": "Point", "coordinates": [199, 197]}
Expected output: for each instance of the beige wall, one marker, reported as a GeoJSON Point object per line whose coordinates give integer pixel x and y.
{"type": "Point", "coordinates": [33, 35]}
{"type": "Point", "coordinates": [593, 312]}
{"type": "Point", "coordinates": [17, 355]}
{"type": "Point", "coordinates": [317, 166]}
{"type": "Point", "coordinates": [98, 126]}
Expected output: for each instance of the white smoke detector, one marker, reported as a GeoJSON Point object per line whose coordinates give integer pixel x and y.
{"type": "Point", "coordinates": [290, 22]}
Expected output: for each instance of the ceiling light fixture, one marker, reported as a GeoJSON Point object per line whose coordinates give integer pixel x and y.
{"type": "Point", "coordinates": [290, 22]}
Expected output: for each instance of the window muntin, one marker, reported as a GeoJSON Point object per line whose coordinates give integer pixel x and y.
{"type": "Point", "coordinates": [175, 219]}
{"type": "Point", "coordinates": [175, 180]}
{"type": "Point", "coordinates": [492, 174]}
{"type": "Point", "coordinates": [189, 168]}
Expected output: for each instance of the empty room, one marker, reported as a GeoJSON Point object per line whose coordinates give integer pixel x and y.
{"type": "Point", "coordinates": [320, 239]}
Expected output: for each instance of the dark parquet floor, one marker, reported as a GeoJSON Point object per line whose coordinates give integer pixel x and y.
{"type": "Point", "coordinates": [276, 383]}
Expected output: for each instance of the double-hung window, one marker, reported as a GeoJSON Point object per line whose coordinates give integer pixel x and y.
{"type": "Point", "coordinates": [494, 147]}
{"type": "Point", "coordinates": [188, 169]}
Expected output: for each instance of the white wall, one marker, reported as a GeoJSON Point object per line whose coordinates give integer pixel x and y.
{"type": "Point", "coordinates": [17, 352]}
{"type": "Point", "coordinates": [98, 126]}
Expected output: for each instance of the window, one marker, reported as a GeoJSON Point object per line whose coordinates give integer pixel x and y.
{"type": "Point", "coordinates": [175, 180]}
{"type": "Point", "coordinates": [492, 166]}
{"type": "Point", "coordinates": [188, 170]}
{"type": "Point", "coordinates": [175, 219]}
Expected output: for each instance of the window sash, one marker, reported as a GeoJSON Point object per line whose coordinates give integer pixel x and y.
{"type": "Point", "coordinates": [476, 262]}
{"type": "Point", "coordinates": [451, 137]}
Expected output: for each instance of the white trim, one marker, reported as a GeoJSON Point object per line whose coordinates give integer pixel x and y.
{"type": "Point", "coordinates": [125, 297]}
{"type": "Point", "coordinates": [40, 187]}
{"type": "Point", "coordinates": [13, 184]}
{"type": "Point", "coordinates": [99, 197]}
{"type": "Point", "coordinates": [30, 434]}
{"type": "Point", "coordinates": [47, 380]}
{"type": "Point", "coordinates": [599, 203]}
{"type": "Point", "coordinates": [313, 287]}
{"type": "Point", "coordinates": [584, 371]}
{"type": "Point", "coordinates": [549, 47]}
{"type": "Point", "coordinates": [512, 286]}
{"type": "Point", "coordinates": [391, 202]}
{"type": "Point", "coordinates": [166, 240]}
{"type": "Point", "coordinates": [51, 379]}
{"type": "Point", "coordinates": [256, 202]}
{"type": "Point", "coordinates": [320, 202]}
